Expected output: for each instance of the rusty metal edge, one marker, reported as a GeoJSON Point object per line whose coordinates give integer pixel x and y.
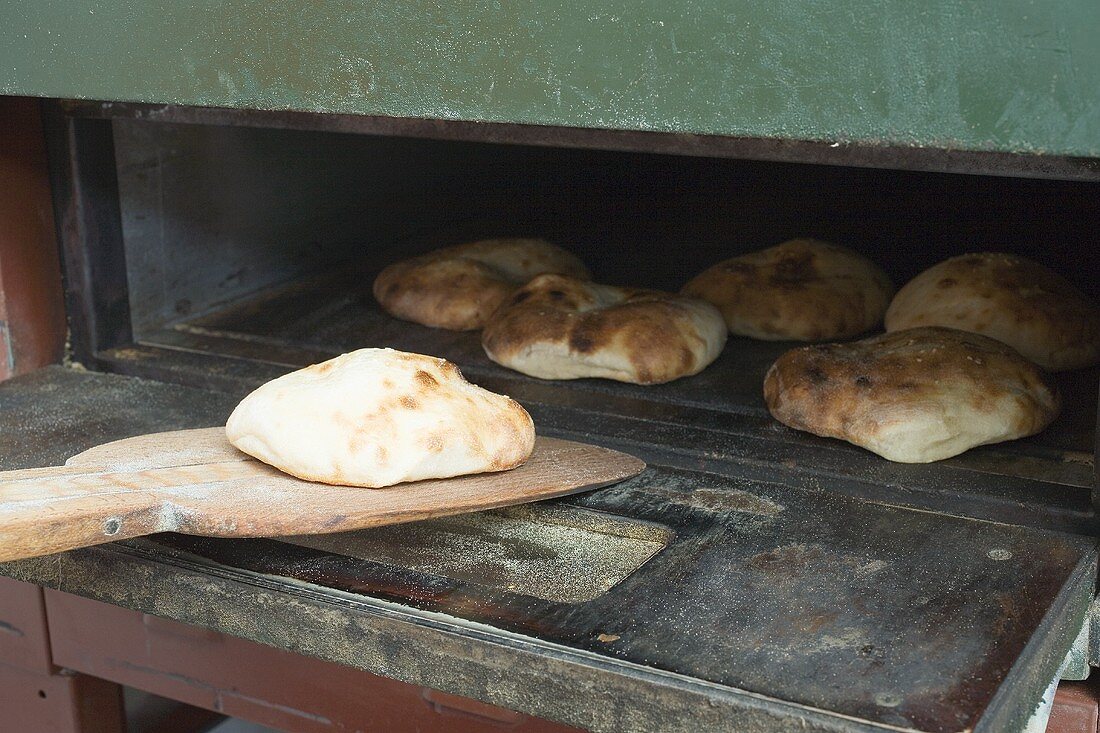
{"type": "Point", "coordinates": [825, 152]}
{"type": "Point", "coordinates": [419, 647]}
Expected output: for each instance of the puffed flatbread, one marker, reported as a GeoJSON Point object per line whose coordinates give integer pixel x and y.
{"type": "Point", "coordinates": [912, 396]}
{"type": "Point", "coordinates": [557, 327]}
{"type": "Point", "coordinates": [377, 417]}
{"type": "Point", "coordinates": [1010, 298]}
{"type": "Point", "coordinates": [800, 290]}
{"type": "Point", "coordinates": [458, 288]}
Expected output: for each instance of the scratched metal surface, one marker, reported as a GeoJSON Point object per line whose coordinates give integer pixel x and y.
{"type": "Point", "coordinates": [882, 615]}
{"type": "Point", "coordinates": [1016, 75]}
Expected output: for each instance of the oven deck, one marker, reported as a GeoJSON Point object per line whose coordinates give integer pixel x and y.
{"type": "Point", "coordinates": [740, 595]}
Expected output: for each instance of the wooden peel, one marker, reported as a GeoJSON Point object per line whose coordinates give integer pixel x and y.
{"type": "Point", "coordinates": [196, 482]}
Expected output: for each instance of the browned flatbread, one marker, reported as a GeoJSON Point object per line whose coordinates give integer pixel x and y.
{"type": "Point", "coordinates": [459, 287]}
{"type": "Point", "coordinates": [1006, 297]}
{"type": "Point", "coordinates": [912, 396]}
{"type": "Point", "coordinates": [558, 327]}
{"type": "Point", "coordinates": [800, 290]}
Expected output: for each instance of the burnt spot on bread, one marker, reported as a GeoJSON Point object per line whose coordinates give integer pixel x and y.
{"type": "Point", "coordinates": [816, 375]}
{"type": "Point", "coordinates": [409, 403]}
{"type": "Point", "coordinates": [500, 462]}
{"type": "Point", "coordinates": [863, 381]}
{"type": "Point", "coordinates": [581, 341]}
{"type": "Point", "coordinates": [425, 380]}
{"type": "Point", "coordinates": [793, 270]}
{"type": "Point", "coordinates": [434, 444]}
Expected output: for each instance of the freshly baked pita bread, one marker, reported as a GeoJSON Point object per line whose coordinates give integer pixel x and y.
{"type": "Point", "coordinates": [377, 417]}
{"type": "Point", "coordinates": [459, 287]}
{"type": "Point", "coordinates": [912, 396]}
{"type": "Point", "coordinates": [558, 327]}
{"type": "Point", "coordinates": [1006, 297]}
{"type": "Point", "coordinates": [800, 290]}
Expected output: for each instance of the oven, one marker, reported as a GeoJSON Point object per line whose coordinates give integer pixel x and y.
{"type": "Point", "coordinates": [223, 227]}
{"type": "Point", "coordinates": [752, 578]}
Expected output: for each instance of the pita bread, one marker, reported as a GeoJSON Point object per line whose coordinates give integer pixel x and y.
{"type": "Point", "coordinates": [377, 417]}
{"type": "Point", "coordinates": [459, 287]}
{"type": "Point", "coordinates": [1006, 297]}
{"type": "Point", "coordinates": [800, 290]}
{"type": "Point", "coordinates": [912, 396]}
{"type": "Point", "coordinates": [557, 327]}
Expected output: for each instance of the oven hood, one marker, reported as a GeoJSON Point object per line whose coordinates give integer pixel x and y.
{"type": "Point", "coordinates": [944, 75]}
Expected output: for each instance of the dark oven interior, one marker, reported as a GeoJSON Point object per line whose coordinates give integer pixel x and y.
{"type": "Point", "coordinates": [221, 255]}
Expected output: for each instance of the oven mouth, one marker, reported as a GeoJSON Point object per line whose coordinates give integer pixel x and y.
{"type": "Point", "coordinates": [222, 255]}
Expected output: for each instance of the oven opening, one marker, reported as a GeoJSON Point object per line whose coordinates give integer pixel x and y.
{"type": "Point", "coordinates": [251, 251]}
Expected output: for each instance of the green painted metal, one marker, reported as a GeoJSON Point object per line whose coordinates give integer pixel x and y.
{"type": "Point", "coordinates": [1008, 75]}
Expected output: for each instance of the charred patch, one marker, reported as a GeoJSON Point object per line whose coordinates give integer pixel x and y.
{"type": "Point", "coordinates": [425, 380]}
{"type": "Point", "coordinates": [409, 403]}
{"type": "Point", "coordinates": [581, 342]}
{"type": "Point", "coordinates": [794, 270]}
{"type": "Point", "coordinates": [816, 376]}
{"type": "Point", "coordinates": [863, 381]}
{"type": "Point", "coordinates": [434, 444]}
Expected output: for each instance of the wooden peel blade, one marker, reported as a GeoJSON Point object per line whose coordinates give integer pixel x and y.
{"type": "Point", "coordinates": [195, 482]}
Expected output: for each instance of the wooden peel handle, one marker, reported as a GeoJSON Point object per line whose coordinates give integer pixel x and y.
{"type": "Point", "coordinates": [48, 510]}
{"type": "Point", "coordinates": [54, 524]}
